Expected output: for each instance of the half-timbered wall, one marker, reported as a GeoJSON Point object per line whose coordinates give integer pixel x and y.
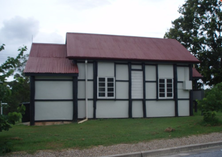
{"type": "Point", "coordinates": [53, 98]}
{"type": "Point", "coordinates": [142, 100]}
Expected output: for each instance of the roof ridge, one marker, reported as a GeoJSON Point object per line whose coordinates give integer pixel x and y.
{"type": "Point", "coordinates": [114, 35]}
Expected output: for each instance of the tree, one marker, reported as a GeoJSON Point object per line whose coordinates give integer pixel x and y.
{"type": "Point", "coordinates": [8, 68]}
{"type": "Point", "coordinates": [199, 29]}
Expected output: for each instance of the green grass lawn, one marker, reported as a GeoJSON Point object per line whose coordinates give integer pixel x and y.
{"type": "Point", "coordinates": [102, 132]}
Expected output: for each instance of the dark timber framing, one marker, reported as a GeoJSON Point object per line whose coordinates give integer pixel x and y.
{"type": "Point", "coordinates": [145, 101]}
{"type": "Point", "coordinates": [32, 100]}
{"type": "Point", "coordinates": [191, 91]}
{"type": "Point", "coordinates": [175, 89]}
{"type": "Point", "coordinates": [157, 83]}
{"type": "Point", "coordinates": [144, 91]}
{"type": "Point", "coordinates": [75, 101]}
{"type": "Point", "coordinates": [130, 90]}
{"type": "Point", "coordinates": [95, 73]}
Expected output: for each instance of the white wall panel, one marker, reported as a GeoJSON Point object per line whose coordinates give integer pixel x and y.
{"type": "Point", "coordinates": [122, 72]}
{"type": "Point", "coordinates": [62, 110]}
{"type": "Point", "coordinates": [160, 108]}
{"type": "Point", "coordinates": [183, 73]}
{"type": "Point", "coordinates": [82, 109]}
{"type": "Point", "coordinates": [165, 71]}
{"type": "Point", "coordinates": [106, 69]}
{"type": "Point", "coordinates": [150, 71]}
{"type": "Point", "coordinates": [81, 67]}
{"type": "Point", "coordinates": [112, 109]}
{"type": "Point", "coordinates": [136, 66]}
{"type": "Point", "coordinates": [183, 108]}
{"type": "Point", "coordinates": [181, 92]}
{"type": "Point", "coordinates": [122, 90]}
{"type": "Point", "coordinates": [137, 109]}
{"type": "Point", "coordinates": [81, 89]}
{"type": "Point", "coordinates": [53, 89]}
{"type": "Point", "coordinates": [150, 90]}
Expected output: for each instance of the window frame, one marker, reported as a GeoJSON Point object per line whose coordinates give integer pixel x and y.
{"type": "Point", "coordinates": [106, 87]}
{"type": "Point", "coordinates": [165, 88]}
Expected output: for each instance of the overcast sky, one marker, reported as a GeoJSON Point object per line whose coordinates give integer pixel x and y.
{"type": "Point", "coordinates": [47, 21]}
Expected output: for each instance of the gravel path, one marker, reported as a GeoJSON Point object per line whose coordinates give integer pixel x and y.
{"type": "Point", "coordinates": [126, 148]}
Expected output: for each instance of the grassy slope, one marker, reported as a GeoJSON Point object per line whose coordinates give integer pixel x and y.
{"type": "Point", "coordinates": [101, 132]}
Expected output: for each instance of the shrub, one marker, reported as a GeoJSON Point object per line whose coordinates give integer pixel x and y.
{"type": "Point", "coordinates": [211, 104]}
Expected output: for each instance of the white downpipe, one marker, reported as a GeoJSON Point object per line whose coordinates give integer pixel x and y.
{"type": "Point", "coordinates": [1, 104]}
{"type": "Point", "coordinates": [86, 89]}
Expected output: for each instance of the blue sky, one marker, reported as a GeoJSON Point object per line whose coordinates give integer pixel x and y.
{"type": "Point", "coordinates": [47, 21]}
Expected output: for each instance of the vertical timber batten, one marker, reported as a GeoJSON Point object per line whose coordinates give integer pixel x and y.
{"type": "Point", "coordinates": [32, 100]}
{"type": "Point", "coordinates": [144, 91]}
{"type": "Point", "coordinates": [175, 89]}
{"type": "Point", "coordinates": [130, 91]}
{"type": "Point", "coordinates": [95, 73]}
{"type": "Point", "coordinates": [157, 80]}
{"type": "Point", "coordinates": [75, 99]}
{"type": "Point", "coordinates": [191, 91]}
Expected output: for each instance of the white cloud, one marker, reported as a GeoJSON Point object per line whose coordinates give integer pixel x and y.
{"type": "Point", "coordinates": [17, 32]}
{"type": "Point", "coordinates": [52, 19]}
{"type": "Point", "coordinates": [53, 37]}
{"type": "Point", "coordinates": [18, 29]}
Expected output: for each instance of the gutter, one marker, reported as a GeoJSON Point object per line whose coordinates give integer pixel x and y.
{"type": "Point", "coordinates": [86, 89]}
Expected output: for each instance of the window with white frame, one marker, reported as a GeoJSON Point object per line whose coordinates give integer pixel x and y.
{"type": "Point", "coordinates": [106, 87]}
{"type": "Point", "coordinates": [165, 88]}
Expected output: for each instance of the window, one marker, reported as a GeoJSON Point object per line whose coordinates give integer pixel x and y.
{"type": "Point", "coordinates": [106, 87]}
{"type": "Point", "coordinates": [165, 88]}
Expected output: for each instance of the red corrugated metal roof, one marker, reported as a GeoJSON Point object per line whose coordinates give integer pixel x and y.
{"type": "Point", "coordinates": [95, 46]}
{"type": "Point", "coordinates": [49, 58]}
{"type": "Point", "coordinates": [196, 73]}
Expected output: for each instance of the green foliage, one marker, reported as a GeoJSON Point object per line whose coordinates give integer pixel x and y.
{"type": "Point", "coordinates": [9, 66]}
{"type": "Point", "coordinates": [4, 124]}
{"type": "Point", "coordinates": [212, 104]}
{"type": "Point", "coordinates": [199, 30]}
{"type": "Point", "coordinates": [14, 92]}
{"type": "Point", "coordinates": [6, 121]}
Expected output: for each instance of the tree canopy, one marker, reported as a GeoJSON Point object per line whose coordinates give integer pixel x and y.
{"type": "Point", "coordinates": [13, 92]}
{"type": "Point", "coordinates": [199, 29]}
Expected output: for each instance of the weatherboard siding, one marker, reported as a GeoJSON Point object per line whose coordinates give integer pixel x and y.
{"type": "Point", "coordinates": [150, 90]}
{"type": "Point", "coordinates": [160, 108]}
{"type": "Point", "coordinates": [150, 72]}
{"type": "Point", "coordinates": [106, 69]}
{"type": "Point", "coordinates": [112, 109]}
{"type": "Point", "coordinates": [183, 108]}
{"type": "Point", "coordinates": [165, 71]}
{"type": "Point", "coordinates": [53, 98]}
{"type": "Point", "coordinates": [59, 110]}
{"type": "Point", "coordinates": [122, 72]}
{"type": "Point", "coordinates": [137, 109]}
{"type": "Point", "coordinates": [82, 109]}
{"type": "Point", "coordinates": [81, 67]}
{"type": "Point", "coordinates": [82, 89]}
{"type": "Point", "coordinates": [53, 90]}
{"type": "Point", "coordinates": [182, 94]}
{"type": "Point", "coordinates": [61, 88]}
{"type": "Point", "coordinates": [119, 107]}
